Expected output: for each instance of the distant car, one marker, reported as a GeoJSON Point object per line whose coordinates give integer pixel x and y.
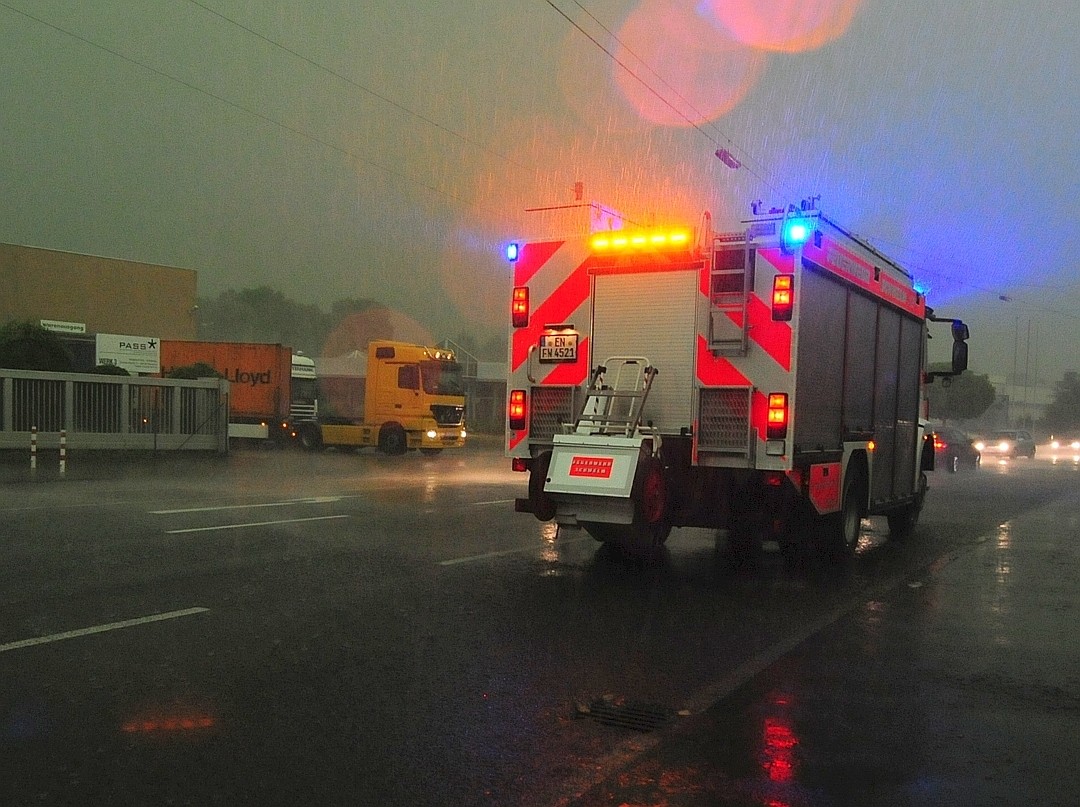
{"type": "Point", "coordinates": [1065, 444]}
{"type": "Point", "coordinates": [1015, 443]}
{"type": "Point", "coordinates": [954, 450]}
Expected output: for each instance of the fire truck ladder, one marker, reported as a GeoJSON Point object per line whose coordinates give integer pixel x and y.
{"type": "Point", "coordinates": [616, 409]}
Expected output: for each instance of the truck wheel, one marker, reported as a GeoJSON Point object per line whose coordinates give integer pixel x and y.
{"type": "Point", "coordinates": [840, 531]}
{"type": "Point", "coordinates": [543, 506]}
{"type": "Point", "coordinates": [635, 539]}
{"type": "Point", "coordinates": [652, 521]}
{"type": "Point", "coordinates": [310, 437]}
{"type": "Point", "coordinates": [392, 439]}
{"type": "Point", "coordinates": [902, 522]}
{"type": "Point", "coordinates": [651, 495]}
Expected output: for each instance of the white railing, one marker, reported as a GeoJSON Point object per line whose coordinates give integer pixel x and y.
{"type": "Point", "coordinates": [103, 412]}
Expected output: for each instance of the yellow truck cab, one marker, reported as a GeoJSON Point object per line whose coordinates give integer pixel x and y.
{"type": "Point", "coordinates": [413, 397]}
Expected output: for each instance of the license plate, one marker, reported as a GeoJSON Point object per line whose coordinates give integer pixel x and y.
{"type": "Point", "coordinates": [560, 347]}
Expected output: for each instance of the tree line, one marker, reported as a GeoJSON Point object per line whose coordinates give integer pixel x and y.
{"type": "Point", "coordinates": [264, 314]}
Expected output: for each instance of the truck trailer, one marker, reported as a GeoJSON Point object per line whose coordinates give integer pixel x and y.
{"type": "Point", "coordinates": [412, 396]}
{"type": "Point", "coordinates": [767, 380]}
{"type": "Point", "coordinates": [271, 388]}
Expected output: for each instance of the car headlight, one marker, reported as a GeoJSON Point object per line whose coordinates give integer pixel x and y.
{"type": "Point", "coordinates": [980, 446]}
{"type": "Point", "coordinates": [432, 434]}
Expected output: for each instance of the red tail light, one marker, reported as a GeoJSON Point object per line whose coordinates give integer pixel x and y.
{"type": "Point", "coordinates": [519, 307]}
{"type": "Point", "coordinates": [777, 420]}
{"type": "Point", "coordinates": [783, 297]}
{"type": "Point", "coordinates": [516, 409]}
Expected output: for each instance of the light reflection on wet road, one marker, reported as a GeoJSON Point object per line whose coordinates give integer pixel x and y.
{"type": "Point", "coordinates": [422, 644]}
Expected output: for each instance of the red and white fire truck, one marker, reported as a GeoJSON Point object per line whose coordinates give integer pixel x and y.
{"type": "Point", "coordinates": [766, 380]}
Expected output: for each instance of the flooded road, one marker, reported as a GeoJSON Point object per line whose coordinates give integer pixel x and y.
{"type": "Point", "coordinates": [288, 628]}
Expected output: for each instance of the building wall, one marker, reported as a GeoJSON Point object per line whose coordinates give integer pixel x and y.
{"type": "Point", "coordinates": [108, 294]}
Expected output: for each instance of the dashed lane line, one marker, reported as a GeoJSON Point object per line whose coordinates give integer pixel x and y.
{"type": "Point", "coordinates": [252, 524]}
{"type": "Point", "coordinates": [286, 503]}
{"type": "Point", "coordinates": [127, 623]}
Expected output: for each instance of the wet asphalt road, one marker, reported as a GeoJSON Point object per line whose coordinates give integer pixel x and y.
{"type": "Point", "coordinates": [352, 629]}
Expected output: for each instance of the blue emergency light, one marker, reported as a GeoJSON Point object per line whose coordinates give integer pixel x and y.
{"type": "Point", "coordinates": [796, 232]}
{"type": "Point", "coordinates": [512, 251]}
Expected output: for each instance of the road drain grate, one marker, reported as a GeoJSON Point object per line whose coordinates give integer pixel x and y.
{"type": "Point", "coordinates": [637, 716]}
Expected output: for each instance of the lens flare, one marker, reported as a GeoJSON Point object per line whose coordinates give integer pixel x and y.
{"type": "Point", "coordinates": [789, 26]}
{"type": "Point", "coordinates": [355, 329]}
{"type": "Point", "coordinates": [677, 71]}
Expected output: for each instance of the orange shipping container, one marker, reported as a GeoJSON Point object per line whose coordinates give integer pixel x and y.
{"type": "Point", "coordinates": [259, 374]}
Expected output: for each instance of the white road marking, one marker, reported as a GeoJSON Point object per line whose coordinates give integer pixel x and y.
{"type": "Point", "coordinates": [504, 552]}
{"type": "Point", "coordinates": [127, 623]}
{"type": "Point", "coordinates": [494, 501]}
{"type": "Point", "coordinates": [286, 503]}
{"type": "Point", "coordinates": [252, 524]}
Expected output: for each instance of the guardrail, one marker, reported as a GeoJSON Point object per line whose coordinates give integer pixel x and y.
{"type": "Point", "coordinates": [102, 412]}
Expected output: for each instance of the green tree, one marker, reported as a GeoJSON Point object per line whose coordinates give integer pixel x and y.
{"type": "Point", "coordinates": [199, 369]}
{"type": "Point", "coordinates": [1063, 413]}
{"type": "Point", "coordinates": [28, 346]}
{"type": "Point", "coordinates": [961, 397]}
{"type": "Point", "coordinates": [264, 314]}
{"type": "Point", "coordinates": [260, 314]}
{"type": "Point", "coordinates": [108, 369]}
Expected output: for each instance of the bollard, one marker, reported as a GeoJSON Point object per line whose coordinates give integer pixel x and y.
{"type": "Point", "coordinates": [33, 448]}
{"type": "Point", "coordinates": [63, 450]}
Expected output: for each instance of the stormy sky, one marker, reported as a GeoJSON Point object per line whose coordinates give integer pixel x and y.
{"type": "Point", "coordinates": [388, 148]}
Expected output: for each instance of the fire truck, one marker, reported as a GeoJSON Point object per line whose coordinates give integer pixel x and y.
{"type": "Point", "coordinates": [767, 380]}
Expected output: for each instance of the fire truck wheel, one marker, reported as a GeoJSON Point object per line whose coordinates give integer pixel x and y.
{"type": "Point", "coordinates": [902, 522]}
{"type": "Point", "coordinates": [392, 439]}
{"type": "Point", "coordinates": [635, 539]}
{"type": "Point", "coordinates": [840, 531]}
{"type": "Point", "coordinates": [543, 506]}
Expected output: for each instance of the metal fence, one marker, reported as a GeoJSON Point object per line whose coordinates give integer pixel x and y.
{"type": "Point", "coordinates": [113, 412]}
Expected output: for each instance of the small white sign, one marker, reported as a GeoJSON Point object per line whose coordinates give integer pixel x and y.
{"type": "Point", "coordinates": [60, 326]}
{"type": "Point", "coordinates": [136, 354]}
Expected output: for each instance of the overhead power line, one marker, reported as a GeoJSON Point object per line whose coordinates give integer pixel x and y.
{"type": "Point", "coordinates": [687, 104]}
{"type": "Point", "coordinates": [353, 83]}
{"type": "Point", "coordinates": [228, 102]}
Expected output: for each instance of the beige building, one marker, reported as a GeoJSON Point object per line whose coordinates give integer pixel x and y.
{"type": "Point", "coordinates": [107, 295]}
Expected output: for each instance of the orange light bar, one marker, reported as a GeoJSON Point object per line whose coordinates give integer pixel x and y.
{"type": "Point", "coordinates": [628, 241]}
{"type": "Point", "coordinates": [777, 417]}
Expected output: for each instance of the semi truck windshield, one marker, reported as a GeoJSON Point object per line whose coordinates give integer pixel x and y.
{"type": "Point", "coordinates": [441, 378]}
